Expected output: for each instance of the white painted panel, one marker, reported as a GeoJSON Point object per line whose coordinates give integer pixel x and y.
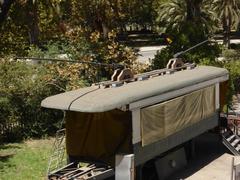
{"type": "Point", "coordinates": [217, 96]}
{"type": "Point", "coordinates": [136, 126]}
{"type": "Point", "coordinates": [124, 167]}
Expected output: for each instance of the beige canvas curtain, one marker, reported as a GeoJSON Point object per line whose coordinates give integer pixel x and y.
{"type": "Point", "coordinates": [161, 120]}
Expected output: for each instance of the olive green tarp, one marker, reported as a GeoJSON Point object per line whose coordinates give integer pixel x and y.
{"type": "Point", "coordinates": [98, 136]}
{"type": "Point", "coordinates": [161, 120]}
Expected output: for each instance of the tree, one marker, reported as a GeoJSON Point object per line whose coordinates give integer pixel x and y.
{"type": "Point", "coordinates": [96, 15]}
{"type": "Point", "coordinates": [140, 12]}
{"type": "Point", "coordinates": [38, 21]}
{"type": "Point", "coordinates": [33, 21]}
{"type": "Point", "coordinates": [229, 13]}
{"type": "Point", "coordinates": [30, 22]}
{"type": "Point", "coordinates": [176, 15]}
{"type": "Point", "coordinates": [187, 23]}
{"type": "Point", "coordinates": [4, 9]}
{"type": "Point", "coordinates": [172, 13]}
{"type": "Point", "coordinates": [106, 15]}
{"type": "Point", "coordinates": [30, 10]}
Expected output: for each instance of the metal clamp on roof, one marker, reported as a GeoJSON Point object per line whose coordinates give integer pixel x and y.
{"type": "Point", "coordinates": [125, 76]}
{"type": "Point", "coordinates": [175, 63]}
{"type": "Point", "coordinates": [120, 77]}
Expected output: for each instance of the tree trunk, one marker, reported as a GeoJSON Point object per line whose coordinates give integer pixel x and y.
{"type": "Point", "coordinates": [33, 22]}
{"type": "Point", "coordinates": [224, 22]}
{"type": "Point", "coordinates": [227, 30]}
{"type": "Point", "coordinates": [105, 30]}
{"type": "Point", "coordinates": [4, 8]}
{"type": "Point", "coordinates": [193, 9]}
{"type": "Point", "coordinates": [228, 36]}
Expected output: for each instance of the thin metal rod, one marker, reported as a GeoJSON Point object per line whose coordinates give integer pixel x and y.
{"type": "Point", "coordinates": [189, 49]}
{"type": "Point", "coordinates": [233, 174]}
{"type": "Point", "coordinates": [113, 65]}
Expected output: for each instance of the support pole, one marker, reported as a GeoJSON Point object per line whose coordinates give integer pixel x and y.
{"type": "Point", "coordinates": [124, 167]}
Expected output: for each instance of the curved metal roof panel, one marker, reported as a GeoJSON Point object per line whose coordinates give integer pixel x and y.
{"type": "Point", "coordinates": [95, 99]}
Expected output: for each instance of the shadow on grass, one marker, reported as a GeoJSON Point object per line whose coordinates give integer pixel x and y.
{"type": "Point", "coordinates": [7, 151]}
{"type": "Point", "coordinates": [9, 146]}
{"type": "Point", "coordinates": [10, 138]}
{"type": "Point", "coordinates": [5, 157]}
{"type": "Point", "coordinates": [4, 161]}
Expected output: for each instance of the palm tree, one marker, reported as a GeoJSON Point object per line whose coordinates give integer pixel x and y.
{"type": "Point", "coordinates": [176, 13]}
{"type": "Point", "coordinates": [229, 13]}
{"type": "Point", "coordinates": [173, 13]}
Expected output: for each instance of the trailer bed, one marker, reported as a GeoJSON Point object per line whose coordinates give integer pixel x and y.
{"type": "Point", "coordinates": [82, 172]}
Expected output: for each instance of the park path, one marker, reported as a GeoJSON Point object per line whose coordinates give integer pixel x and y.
{"type": "Point", "coordinates": [147, 53]}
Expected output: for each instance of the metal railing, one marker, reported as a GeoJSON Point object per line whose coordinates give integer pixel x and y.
{"type": "Point", "coordinates": [58, 157]}
{"type": "Point", "coordinates": [234, 122]}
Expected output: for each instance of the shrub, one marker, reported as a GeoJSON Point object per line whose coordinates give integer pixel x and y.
{"type": "Point", "coordinates": [209, 52]}
{"type": "Point", "coordinates": [22, 88]}
{"type": "Point", "coordinates": [84, 46]}
{"type": "Point", "coordinates": [231, 54]}
{"type": "Point", "coordinates": [232, 64]}
{"type": "Point", "coordinates": [161, 58]}
{"type": "Point", "coordinates": [24, 85]}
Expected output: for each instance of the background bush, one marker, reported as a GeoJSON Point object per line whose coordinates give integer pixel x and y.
{"type": "Point", "coordinates": [22, 88]}
{"type": "Point", "coordinates": [24, 84]}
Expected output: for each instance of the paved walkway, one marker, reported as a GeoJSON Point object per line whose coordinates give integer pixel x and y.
{"type": "Point", "coordinates": [213, 161]}
{"type": "Point", "coordinates": [232, 41]}
{"type": "Point", "coordinates": [218, 169]}
{"type": "Point", "coordinates": [147, 53]}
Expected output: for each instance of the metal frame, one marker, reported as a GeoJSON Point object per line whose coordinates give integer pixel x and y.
{"type": "Point", "coordinates": [124, 167]}
{"type": "Point", "coordinates": [136, 106]}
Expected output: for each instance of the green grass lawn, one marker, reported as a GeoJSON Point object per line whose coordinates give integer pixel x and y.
{"type": "Point", "coordinates": [23, 161]}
